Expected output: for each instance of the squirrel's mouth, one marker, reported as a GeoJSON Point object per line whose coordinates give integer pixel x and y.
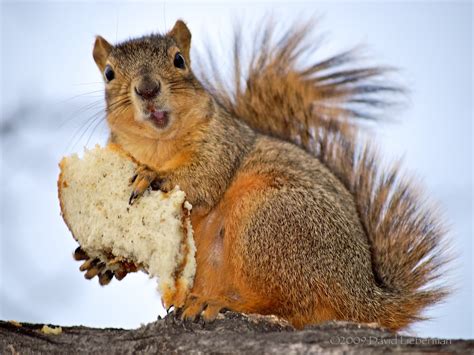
{"type": "Point", "coordinates": [159, 118]}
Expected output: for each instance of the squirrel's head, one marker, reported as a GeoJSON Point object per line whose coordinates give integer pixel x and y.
{"type": "Point", "coordinates": [150, 89]}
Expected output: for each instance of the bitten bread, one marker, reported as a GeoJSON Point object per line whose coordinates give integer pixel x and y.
{"type": "Point", "coordinates": [154, 234]}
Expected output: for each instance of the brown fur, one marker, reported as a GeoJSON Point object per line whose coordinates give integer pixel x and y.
{"type": "Point", "coordinates": [292, 215]}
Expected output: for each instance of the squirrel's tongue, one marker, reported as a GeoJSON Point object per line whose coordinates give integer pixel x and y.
{"type": "Point", "coordinates": [159, 118]}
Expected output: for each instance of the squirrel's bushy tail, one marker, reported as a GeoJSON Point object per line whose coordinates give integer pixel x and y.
{"type": "Point", "coordinates": [320, 108]}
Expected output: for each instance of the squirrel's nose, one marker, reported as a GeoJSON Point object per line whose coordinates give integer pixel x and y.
{"type": "Point", "coordinates": [147, 88]}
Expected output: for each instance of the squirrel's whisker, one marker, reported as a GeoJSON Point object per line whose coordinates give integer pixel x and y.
{"type": "Point", "coordinates": [80, 111]}
{"type": "Point", "coordinates": [81, 131]}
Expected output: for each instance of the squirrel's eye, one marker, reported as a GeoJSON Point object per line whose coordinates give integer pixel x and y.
{"type": "Point", "coordinates": [179, 61]}
{"type": "Point", "coordinates": [109, 73]}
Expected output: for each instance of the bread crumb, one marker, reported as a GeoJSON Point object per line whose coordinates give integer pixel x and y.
{"type": "Point", "coordinates": [15, 323]}
{"type": "Point", "coordinates": [51, 330]}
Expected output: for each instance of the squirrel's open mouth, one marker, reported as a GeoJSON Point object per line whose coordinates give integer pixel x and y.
{"type": "Point", "coordinates": [159, 118]}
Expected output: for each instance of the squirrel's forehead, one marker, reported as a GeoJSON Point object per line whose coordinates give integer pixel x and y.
{"type": "Point", "coordinates": [154, 46]}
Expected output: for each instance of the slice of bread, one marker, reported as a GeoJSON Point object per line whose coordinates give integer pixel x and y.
{"type": "Point", "coordinates": [154, 234]}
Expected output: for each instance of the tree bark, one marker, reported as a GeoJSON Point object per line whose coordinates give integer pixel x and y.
{"type": "Point", "coordinates": [230, 333]}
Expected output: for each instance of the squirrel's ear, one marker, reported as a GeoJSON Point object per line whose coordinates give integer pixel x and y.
{"type": "Point", "coordinates": [101, 51]}
{"type": "Point", "coordinates": [182, 36]}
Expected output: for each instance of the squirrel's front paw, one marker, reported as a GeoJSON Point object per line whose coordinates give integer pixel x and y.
{"type": "Point", "coordinates": [144, 178]}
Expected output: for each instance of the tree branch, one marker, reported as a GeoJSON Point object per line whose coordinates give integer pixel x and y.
{"type": "Point", "coordinates": [230, 333]}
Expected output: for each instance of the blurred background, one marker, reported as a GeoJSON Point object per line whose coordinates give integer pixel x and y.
{"type": "Point", "coordinates": [52, 105]}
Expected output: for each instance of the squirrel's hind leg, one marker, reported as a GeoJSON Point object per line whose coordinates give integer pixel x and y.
{"type": "Point", "coordinates": [219, 281]}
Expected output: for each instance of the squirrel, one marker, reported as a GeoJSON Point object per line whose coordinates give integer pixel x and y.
{"type": "Point", "coordinates": [292, 214]}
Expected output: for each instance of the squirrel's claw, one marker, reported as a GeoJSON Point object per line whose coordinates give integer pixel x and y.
{"type": "Point", "coordinates": [86, 265]}
{"type": "Point", "coordinates": [141, 181]}
{"type": "Point", "coordinates": [105, 277]}
{"type": "Point", "coordinates": [79, 254]}
{"type": "Point", "coordinates": [132, 198]}
{"type": "Point", "coordinates": [132, 179]}
{"type": "Point", "coordinates": [92, 272]}
{"type": "Point", "coordinates": [120, 273]}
